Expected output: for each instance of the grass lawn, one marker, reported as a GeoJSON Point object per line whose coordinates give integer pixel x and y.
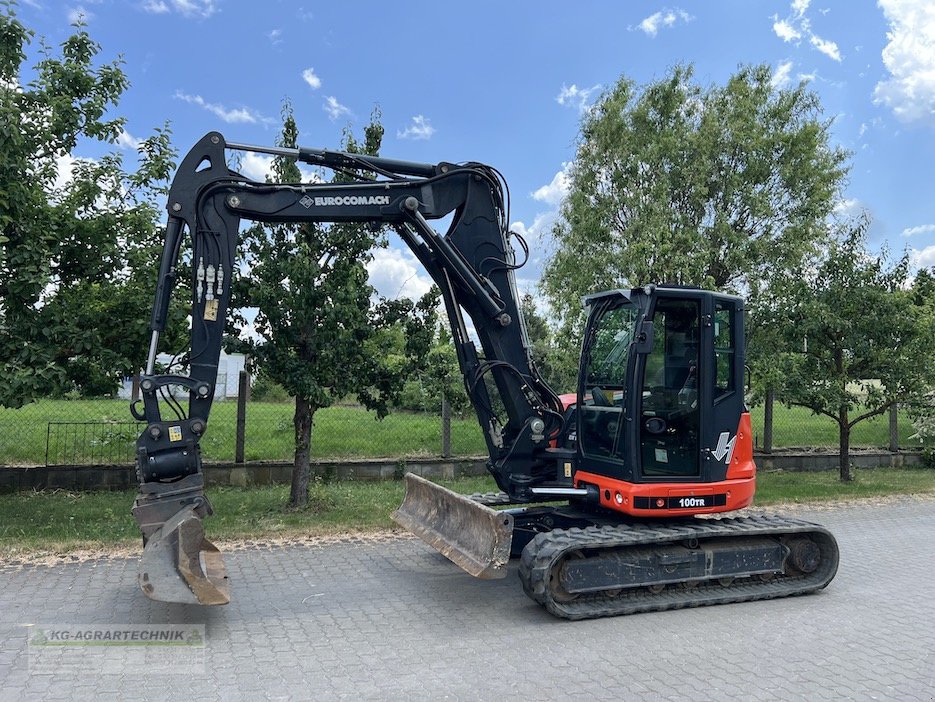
{"type": "Point", "coordinates": [341, 431]}
{"type": "Point", "coordinates": [62, 521]}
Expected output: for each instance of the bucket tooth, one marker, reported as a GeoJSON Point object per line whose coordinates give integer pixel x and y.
{"type": "Point", "coordinates": [180, 565]}
{"type": "Point", "coordinates": [471, 535]}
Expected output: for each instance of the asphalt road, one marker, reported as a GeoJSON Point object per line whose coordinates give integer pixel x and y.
{"type": "Point", "coordinates": [374, 618]}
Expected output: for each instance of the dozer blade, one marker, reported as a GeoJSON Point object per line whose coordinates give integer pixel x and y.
{"type": "Point", "coordinates": [471, 535]}
{"type": "Point", "coordinates": [180, 565]}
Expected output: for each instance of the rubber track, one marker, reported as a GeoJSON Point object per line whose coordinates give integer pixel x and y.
{"type": "Point", "coordinates": [546, 551]}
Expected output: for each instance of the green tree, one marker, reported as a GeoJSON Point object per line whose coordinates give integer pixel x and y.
{"type": "Point", "coordinates": [922, 413]}
{"type": "Point", "coordinates": [716, 186]}
{"type": "Point", "coordinates": [320, 336]}
{"type": "Point", "coordinates": [557, 363]}
{"type": "Point", "coordinates": [856, 342]}
{"type": "Point", "coordinates": [442, 375]}
{"type": "Point", "coordinates": [76, 259]}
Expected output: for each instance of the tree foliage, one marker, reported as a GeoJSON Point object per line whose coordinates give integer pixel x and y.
{"type": "Point", "coordinates": [319, 334]}
{"type": "Point", "coordinates": [557, 362]}
{"type": "Point", "coordinates": [674, 182]}
{"type": "Point", "coordinates": [77, 254]}
{"type": "Point", "coordinates": [852, 339]}
{"type": "Point", "coordinates": [922, 410]}
{"type": "Point", "coordinates": [441, 377]}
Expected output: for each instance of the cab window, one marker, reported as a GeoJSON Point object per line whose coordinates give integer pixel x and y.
{"type": "Point", "coordinates": [724, 345]}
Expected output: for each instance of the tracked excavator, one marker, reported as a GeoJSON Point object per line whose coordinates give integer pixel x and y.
{"type": "Point", "coordinates": [612, 497]}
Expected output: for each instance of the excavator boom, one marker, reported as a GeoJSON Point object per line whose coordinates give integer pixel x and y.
{"type": "Point", "coordinates": [472, 264]}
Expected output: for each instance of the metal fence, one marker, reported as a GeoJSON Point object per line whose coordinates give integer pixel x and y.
{"type": "Point", "coordinates": [780, 426]}
{"type": "Point", "coordinates": [101, 432]}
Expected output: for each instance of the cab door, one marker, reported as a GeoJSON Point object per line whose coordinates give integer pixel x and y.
{"type": "Point", "coordinates": [607, 365]}
{"type": "Point", "coordinates": [721, 428]}
{"type": "Point", "coordinates": [671, 395]}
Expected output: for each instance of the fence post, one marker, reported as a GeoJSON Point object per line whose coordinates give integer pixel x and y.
{"type": "Point", "coordinates": [446, 427]}
{"type": "Point", "coordinates": [894, 428]}
{"type": "Point", "coordinates": [768, 422]}
{"type": "Point", "coordinates": [243, 389]}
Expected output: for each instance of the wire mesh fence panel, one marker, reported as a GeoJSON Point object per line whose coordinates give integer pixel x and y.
{"type": "Point", "coordinates": [799, 427]}
{"type": "Point", "coordinates": [352, 431]}
{"type": "Point", "coordinates": [86, 430]}
{"type": "Point", "coordinates": [25, 431]}
{"type": "Point", "coordinates": [467, 438]}
{"type": "Point", "coordinates": [91, 443]}
{"type": "Point", "coordinates": [355, 432]}
{"type": "Point", "coordinates": [269, 431]}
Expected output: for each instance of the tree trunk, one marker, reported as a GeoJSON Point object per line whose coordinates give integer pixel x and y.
{"type": "Point", "coordinates": [844, 445]}
{"type": "Point", "coordinates": [301, 468]}
{"type": "Point", "coordinates": [894, 428]}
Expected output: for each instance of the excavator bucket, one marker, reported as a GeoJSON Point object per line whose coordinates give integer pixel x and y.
{"type": "Point", "coordinates": [471, 535]}
{"type": "Point", "coordinates": [180, 565]}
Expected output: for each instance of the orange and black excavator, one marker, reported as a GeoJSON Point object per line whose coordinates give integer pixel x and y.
{"type": "Point", "coordinates": [605, 495]}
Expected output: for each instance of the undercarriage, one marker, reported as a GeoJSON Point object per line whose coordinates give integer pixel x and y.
{"type": "Point", "coordinates": [600, 571]}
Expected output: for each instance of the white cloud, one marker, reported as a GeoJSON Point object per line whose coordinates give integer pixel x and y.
{"type": "Point", "coordinates": [784, 30]}
{"type": "Point", "coordinates": [240, 115]}
{"type": "Point", "coordinates": [826, 46]}
{"type": "Point", "coordinates": [155, 7]}
{"type": "Point", "coordinates": [850, 212]}
{"type": "Point", "coordinates": [396, 273]}
{"type": "Point", "coordinates": [921, 229]}
{"type": "Point", "coordinates": [79, 14]}
{"type": "Point", "coordinates": [910, 59]}
{"type": "Point", "coordinates": [257, 166]}
{"type": "Point", "coordinates": [275, 36]}
{"type": "Point", "coordinates": [125, 140]}
{"type": "Point", "coordinates": [663, 18]}
{"type": "Point", "coordinates": [419, 128]}
{"type": "Point", "coordinates": [782, 76]}
{"type": "Point", "coordinates": [924, 258]}
{"type": "Point", "coordinates": [541, 225]}
{"type": "Point", "coordinates": [553, 193]}
{"type": "Point", "coordinates": [573, 96]}
{"type": "Point", "coordinates": [64, 170]}
{"type": "Point", "coordinates": [187, 8]}
{"type": "Point", "coordinates": [335, 109]}
{"type": "Point", "coordinates": [850, 209]}
{"type": "Point", "coordinates": [795, 26]}
{"type": "Point", "coordinates": [308, 75]}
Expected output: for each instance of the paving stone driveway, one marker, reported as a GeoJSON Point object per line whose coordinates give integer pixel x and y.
{"type": "Point", "coordinates": [390, 619]}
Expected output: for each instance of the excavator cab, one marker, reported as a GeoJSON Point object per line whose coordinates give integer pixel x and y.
{"type": "Point", "coordinates": [660, 401]}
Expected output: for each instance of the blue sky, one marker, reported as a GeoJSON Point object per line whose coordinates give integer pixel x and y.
{"type": "Point", "coordinates": [506, 82]}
